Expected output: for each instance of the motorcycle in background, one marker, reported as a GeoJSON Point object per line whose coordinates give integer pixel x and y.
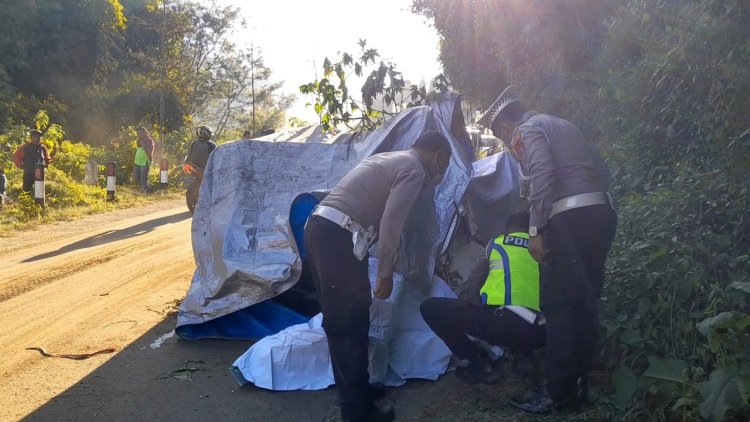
{"type": "Point", "coordinates": [192, 183]}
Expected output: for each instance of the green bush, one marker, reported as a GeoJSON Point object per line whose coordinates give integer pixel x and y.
{"type": "Point", "coordinates": [72, 157]}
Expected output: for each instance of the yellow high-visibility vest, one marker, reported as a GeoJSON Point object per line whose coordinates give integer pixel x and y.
{"type": "Point", "coordinates": [514, 274]}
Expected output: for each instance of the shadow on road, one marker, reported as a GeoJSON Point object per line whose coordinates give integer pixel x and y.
{"type": "Point", "coordinates": [132, 387]}
{"type": "Point", "coordinates": [128, 388]}
{"type": "Point", "coordinates": [113, 236]}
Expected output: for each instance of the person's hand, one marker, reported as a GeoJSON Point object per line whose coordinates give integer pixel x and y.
{"type": "Point", "coordinates": [536, 247]}
{"type": "Point", "coordinates": [383, 287]}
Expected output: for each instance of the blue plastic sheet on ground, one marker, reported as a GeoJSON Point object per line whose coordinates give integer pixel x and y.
{"type": "Point", "coordinates": [253, 323]}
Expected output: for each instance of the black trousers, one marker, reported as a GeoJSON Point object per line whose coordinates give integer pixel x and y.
{"type": "Point", "coordinates": [571, 280]}
{"type": "Point", "coordinates": [28, 180]}
{"type": "Point", "coordinates": [343, 287]}
{"type": "Point", "coordinates": [453, 319]}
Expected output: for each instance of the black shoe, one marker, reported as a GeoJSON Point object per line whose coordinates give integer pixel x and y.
{"type": "Point", "coordinates": [544, 403]}
{"type": "Point", "coordinates": [378, 413]}
{"type": "Point", "coordinates": [377, 391]}
{"type": "Point", "coordinates": [480, 371]}
{"type": "Point", "coordinates": [524, 368]}
{"type": "Point", "coordinates": [582, 390]}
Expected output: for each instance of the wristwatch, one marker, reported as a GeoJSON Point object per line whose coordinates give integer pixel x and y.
{"type": "Point", "coordinates": [533, 231]}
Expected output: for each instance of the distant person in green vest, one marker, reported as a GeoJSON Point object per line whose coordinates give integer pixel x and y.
{"type": "Point", "coordinates": [28, 156]}
{"type": "Point", "coordinates": [144, 156]}
{"type": "Point", "coordinates": [501, 308]}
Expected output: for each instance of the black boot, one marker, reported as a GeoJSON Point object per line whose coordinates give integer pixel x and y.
{"type": "Point", "coordinates": [377, 390]}
{"type": "Point", "coordinates": [583, 390]}
{"type": "Point", "coordinates": [377, 413]}
{"type": "Point", "coordinates": [524, 368]}
{"type": "Point", "coordinates": [544, 403]}
{"type": "Point", "coordinates": [480, 371]}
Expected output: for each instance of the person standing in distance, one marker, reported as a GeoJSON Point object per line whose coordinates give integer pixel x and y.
{"type": "Point", "coordinates": [374, 199]}
{"type": "Point", "coordinates": [144, 156]}
{"type": "Point", "coordinates": [29, 155]}
{"type": "Point", "coordinates": [202, 148]}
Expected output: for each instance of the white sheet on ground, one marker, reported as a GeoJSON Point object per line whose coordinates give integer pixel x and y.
{"type": "Point", "coordinates": [402, 346]}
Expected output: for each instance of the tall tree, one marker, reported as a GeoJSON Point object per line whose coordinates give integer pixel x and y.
{"type": "Point", "coordinates": [488, 44]}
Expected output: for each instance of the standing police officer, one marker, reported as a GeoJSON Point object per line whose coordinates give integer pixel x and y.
{"type": "Point", "coordinates": [571, 229]}
{"type": "Point", "coordinates": [373, 199]}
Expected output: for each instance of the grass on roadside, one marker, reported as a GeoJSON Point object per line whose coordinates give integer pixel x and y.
{"type": "Point", "coordinates": [68, 200]}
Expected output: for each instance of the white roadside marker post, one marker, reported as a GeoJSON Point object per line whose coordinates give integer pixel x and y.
{"type": "Point", "coordinates": [163, 174]}
{"type": "Point", "coordinates": [111, 180]}
{"type": "Point", "coordinates": [39, 184]}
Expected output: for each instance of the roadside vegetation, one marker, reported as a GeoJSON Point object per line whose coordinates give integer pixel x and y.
{"type": "Point", "coordinates": [88, 73]}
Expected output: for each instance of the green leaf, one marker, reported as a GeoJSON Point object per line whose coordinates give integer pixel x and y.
{"type": "Point", "coordinates": [631, 337]}
{"type": "Point", "coordinates": [346, 59]}
{"type": "Point", "coordinates": [186, 373]}
{"type": "Point", "coordinates": [735, 320]}
{"type": "Point", "coordinates": [684, 401]}
{"type": "Point", "coordinates": [721, 393]}
{"type": "Point", "coordinates": [666, 369]}
{"type": "Point", "coordinates": [625, 382]}
{"type": "Point", "coordinates": [741, 285]}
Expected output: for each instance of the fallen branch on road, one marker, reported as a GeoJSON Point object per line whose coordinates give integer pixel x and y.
{"type": "Point", "coordinates": [81, 356]}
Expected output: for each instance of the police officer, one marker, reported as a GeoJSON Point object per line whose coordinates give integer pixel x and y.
{"type": "Point", "coordinates": [571, 229]}
{"type": "Point", "coordinates": [503, 312]}
{"type": "Point", "coordinates": [28, 156]}
{"type": "Point", "coordinates": [373, 199]}
{"type": "Point", "coordinates": [202, 148]}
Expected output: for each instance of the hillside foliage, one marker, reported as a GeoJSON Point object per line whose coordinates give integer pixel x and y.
{"type": "Point", "coordinates": [661, 87]}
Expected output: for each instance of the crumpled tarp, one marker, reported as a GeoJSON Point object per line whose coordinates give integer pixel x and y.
{"type": "Point", "coordinates": [402, 346]}
{"type": "Point", "coordinates": [244, 248]}
{"type": "Point", "coordinates": [493, 194]}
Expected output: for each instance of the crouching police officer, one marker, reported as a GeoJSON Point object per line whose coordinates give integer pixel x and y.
{"type": "Point", "coordinates": [571, 229]}
{"type": "Point", "coordinates": [503, 312]}
{"type": "Point", "coordinates": [373, 199]}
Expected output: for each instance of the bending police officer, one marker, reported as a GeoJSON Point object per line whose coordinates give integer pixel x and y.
{"type": "Point", "coordinates": [571, 228]}
{"type": "Point", "coordinates": [373, 199]}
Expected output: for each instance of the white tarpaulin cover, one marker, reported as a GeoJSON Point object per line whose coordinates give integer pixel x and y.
{"type": "Point", "coordinates": [402, 346]}
{"type": "Point", "coordinates": [244, 249]}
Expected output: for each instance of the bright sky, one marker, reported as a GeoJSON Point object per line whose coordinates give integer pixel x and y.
{"type": "Point", "coordinates": [295, 34]}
